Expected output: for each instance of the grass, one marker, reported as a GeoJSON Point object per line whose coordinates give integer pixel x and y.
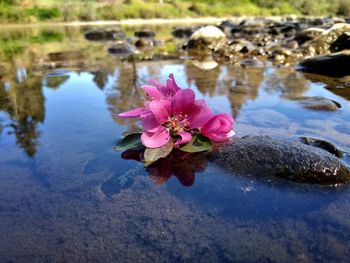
{"type": "Point", "coordinates": [12, 11]}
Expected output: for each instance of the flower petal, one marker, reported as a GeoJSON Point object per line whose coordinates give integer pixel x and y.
{"type": "Point", "coordinates": [199, 115]}
{"type": "Point", "coordinates": [132, 113]}
{"type": "Point", "coordinates": [149, 122]}
{"type": "Point", "coordinates": [183, 101]}
{"type": "Point", "coordinates": [152, 92]}
{"type": "Point", "coordinates": [161, 110]}
{"type": "Point", "coordinates": [155, 139]}
{"type": "Point", "coordinates": [185, 137]}
{"type": "Point", "coordinates": [171, 84]}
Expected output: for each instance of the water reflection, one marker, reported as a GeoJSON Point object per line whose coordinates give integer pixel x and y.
{"type": "Point", "coordinates": [243, 84]}
{"type": "Point", "coordinates": [24, 102]}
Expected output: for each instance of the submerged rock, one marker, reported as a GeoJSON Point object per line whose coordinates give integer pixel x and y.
{"type": "Point", "coordinates": [262, 156]}
{"type": "Point", "coordinates": [335, 65]}
{"type": "Point", "coordinates": [319, 103]}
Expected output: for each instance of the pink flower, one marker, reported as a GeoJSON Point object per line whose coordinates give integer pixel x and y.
{"type": "Point", "coordinates": [173, 118]}
{"type": "Point", "coordinates": [219, 128]}
{"type": "Point", "coordinates": [172, 113]}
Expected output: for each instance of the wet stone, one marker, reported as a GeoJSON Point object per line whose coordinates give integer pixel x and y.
{"type": "Point", "coordinates": [335, 65]}
{"type": "Point", "coordinates": [121, 49]}
{"type": "Point", "coordinates": [104, 34]}
{"type": "Point", "coordinates": [319, 103]}
{"type": "Point", "coordinates": [342, 42]}
{"type": "Point", "coordinates": [262, 156]}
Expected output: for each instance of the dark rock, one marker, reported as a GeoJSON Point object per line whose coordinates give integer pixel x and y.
{"type": "Point", "coordinates": [144, 43]}
{"type": "Point", "coordinates": [229, 27]}
{"type": "Point", "coordinates": [145, 34]}
{"type": "Point", "coordinates": [121, 49]}
{"type": "Point", "coordinates": [262, 156]}
{"type": "Point", "coordinates": [308, 34]}
{"type": "Point", "coordinates": [335, 64]}
{"type": "Point", "coordinates": [342, 42]}
{"type": "Point", "coordinates": [182, 32]}
{"type": "Point", "coordinates": [319, 103]}
{"type": "Point", "coordinates": [327, 146]}
{"type": "Point", "coordinates": [105, 34]}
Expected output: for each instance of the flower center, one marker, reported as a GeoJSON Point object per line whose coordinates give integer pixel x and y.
{"type": "Point", "coordinates": [178, 123]}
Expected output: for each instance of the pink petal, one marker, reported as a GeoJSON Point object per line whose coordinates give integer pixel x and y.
{"type": "Point", "coordinates": [132, 113]}
{"type": "Point", "coordinates": [199, 115]}
{"type": "Point", "coordinates": [171, 84]}
{"type": "Point", "coordinates": [183, 101]}
{"type": "Point", "coordinates": [161, 110]}
{"type": "Point", "coordinates": [211, 126]}
{"type": "Point", "coordinates": [185, 137]}
{"type": "Point", "coordinates": [149, 122]}
{"type": "Point", "coordinates": [155, 139]}
{"type": "Point", "coordinates": [152, 92]}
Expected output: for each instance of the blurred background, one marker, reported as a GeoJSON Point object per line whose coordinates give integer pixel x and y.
{"type": "Point", "coordinates": [32, 11]}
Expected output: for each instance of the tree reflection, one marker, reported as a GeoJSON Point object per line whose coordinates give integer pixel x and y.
{"type": "Point", "coordinates": [244, 85]}
{"type": "Point", "coordinates": [205, 80]}
{"type": "Point", "coordinates": [24, 102]}
{"type": "Point", "coordinates": [125, 94]}
{"type": "Point", "coordinates": [338, 86]}
{"type": "Point", "coordinates": [289, 83]}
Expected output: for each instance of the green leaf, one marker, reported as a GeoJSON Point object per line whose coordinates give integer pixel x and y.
{"type": "Point", "coordinates": [153, 154]}
{"type": "Point", "coordinates": [130, 141]}
{"type": "Point", "coordinates": [198, 143]}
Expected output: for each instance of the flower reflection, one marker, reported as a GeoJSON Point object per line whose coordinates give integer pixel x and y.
{"type": "Point", "coordinates": [180, 164]}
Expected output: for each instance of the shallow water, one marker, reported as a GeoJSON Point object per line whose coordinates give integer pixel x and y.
{"type": "Point", "coordinates": [65, 195]}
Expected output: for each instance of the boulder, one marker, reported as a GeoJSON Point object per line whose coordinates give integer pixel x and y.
{"type": "Point", "coordinates": [334, 65]}
{"type": "Point", "coordinates": [207, 37]}
{"type": "Point", "coordinates": [319, 103]}
{"type": "Point", "coordinates": [262, 156]}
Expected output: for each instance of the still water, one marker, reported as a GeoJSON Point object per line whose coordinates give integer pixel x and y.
{"type": "Point", "coordinates": [65, 195]}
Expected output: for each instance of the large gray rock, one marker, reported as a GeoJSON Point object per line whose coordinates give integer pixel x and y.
{"type": "Point", "coordinates": [262, 156]}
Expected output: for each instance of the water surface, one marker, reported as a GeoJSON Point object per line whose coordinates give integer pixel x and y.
{"type": "Point", "coordinates": [65, 195]}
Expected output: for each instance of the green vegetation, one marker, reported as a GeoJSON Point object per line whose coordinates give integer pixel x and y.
{"type": "Point", "coordinates": [14, 11]}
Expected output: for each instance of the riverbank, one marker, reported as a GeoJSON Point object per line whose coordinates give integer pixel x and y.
{"type": "Point", "coordinates": [136, 22]}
